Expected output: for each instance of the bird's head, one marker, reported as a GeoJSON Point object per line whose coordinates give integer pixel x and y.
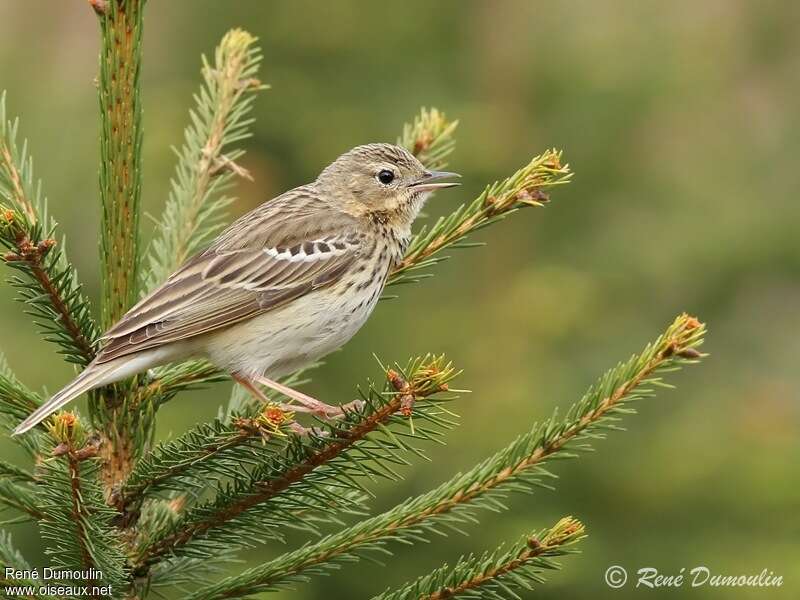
{"type": "Point", "coordinates": [381, 180]}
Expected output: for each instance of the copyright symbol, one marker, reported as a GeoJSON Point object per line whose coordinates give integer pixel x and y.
{"type": "Point", "coordinates": [616, 577]}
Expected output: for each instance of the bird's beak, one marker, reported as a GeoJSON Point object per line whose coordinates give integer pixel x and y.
{"type": "Point", "coordinates": [432, 180]}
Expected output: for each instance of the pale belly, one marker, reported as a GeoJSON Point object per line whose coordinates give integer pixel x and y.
{"type": "Point", "coordinates": [287, 339]}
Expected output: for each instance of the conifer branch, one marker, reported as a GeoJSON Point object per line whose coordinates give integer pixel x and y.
{"type": "Point", "coordinates": [498, 574]}
{"type": "Point", "coordinates": [516, 467]}
{"type": "Point", "coordinates": [429, 137]}
{"type": "Point", "coordinates": [16, 400]}
{"type": "Point", "coordinates": [526, 187]}
{"type": "Point", "coordinates": [328, 457]}
{"type": "Point", "coordinates": [182, 575]}
{"type": "Point", "coordinates": [47, 282]}
{"type": "Point", "coordinates": [120, 153]}
{"type": "Point", "coordinates": [189, 460]}
{"type": "Point", "coordinates": [207, 161]}
{"type": "Point", "coordinates": [126, 426]}
{"type": "Point", "coordinates": [239, 437]}
{"type": "Point", "coordinates": [18, 497]}
{"type": "Point", "coordinates": [169, 380]}
{"type": "Point", "coordinates": [205, 170]}
{"type": "Point", "coordinates": [76, 521]}
{"type": "Point", "coordinates": [9, 472]}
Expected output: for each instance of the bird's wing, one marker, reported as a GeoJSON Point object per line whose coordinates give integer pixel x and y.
{"type": "Point", "coordinates": [284, 249]}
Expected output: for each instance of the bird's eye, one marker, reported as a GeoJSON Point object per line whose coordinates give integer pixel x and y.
{"type": "Point", "coordinates": [386, 176]}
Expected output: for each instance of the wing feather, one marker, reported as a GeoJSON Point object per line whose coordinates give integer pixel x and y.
{"type": "Point", "coordinates": [258, 264]}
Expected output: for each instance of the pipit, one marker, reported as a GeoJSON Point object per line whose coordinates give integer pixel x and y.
{"type": "Point", "coordinates": [283, 286]}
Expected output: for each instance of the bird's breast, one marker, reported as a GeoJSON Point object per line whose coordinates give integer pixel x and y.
{"type": "Point", "coordinates": [391, 243]}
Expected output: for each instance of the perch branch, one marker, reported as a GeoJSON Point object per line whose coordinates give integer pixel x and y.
{"type": "Point", "coordinates": [518, 466]}
{"type": "Point", "coordinates": [427, 379]}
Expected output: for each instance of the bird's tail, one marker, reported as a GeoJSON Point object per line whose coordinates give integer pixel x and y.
{"type": "Point", "coordinates": [93, 376]}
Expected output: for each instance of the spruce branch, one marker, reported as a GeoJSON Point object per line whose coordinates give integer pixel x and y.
{"type": "Point", "coordinates": [519, 466]}
{"type": "Point", "coordinates": [239, 437]}
{"type": "Point", "coordinates": [429, 137]}
{"type": "Point", "coordinates": [76, 522]}
{"type": "Point", "coordinates": [207, 160]}
{"type": "Point", "coordinates": [207, 450]}
{"type": "Point", "coordinates": [46, 281]}
{"type": "Point", "coordinates": [498, 574]}
{"type": "Point", "coordinates": [316, 470]}
{"type": "Point", "coordinates": [10, 556]}
{"type": "Point", "coordinates": [184, 574]}
{"type": "Point", "coordinates": [16, 400]}
{"type": "Point", "coordinates": [178, 574]}
{"type": "Point", "coordinates": [18, 497]}
{"type": "Point", "coordinates": [9, 472]}
{"type": "Point", "coordinates": [120, 153]}
{"type": "Point", "coordinates": [127, 427]}
{"type": "Point", "coordinates": [526, 187]}
{"type": "Point", "coordinates": [16, 172]}
{"type": "Point", "coordinates": [167, 381]}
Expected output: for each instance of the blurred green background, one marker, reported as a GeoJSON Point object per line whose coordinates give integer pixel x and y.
{"type": "Point", "coordinates": [680, 121]}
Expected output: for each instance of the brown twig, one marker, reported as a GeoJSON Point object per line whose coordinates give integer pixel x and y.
{"type": "Point", "coordinates": [100, 7]}
{"type": "Point", "coordinates": [33, 255]}
{"type": "Point", "coordinates": [22, 232]}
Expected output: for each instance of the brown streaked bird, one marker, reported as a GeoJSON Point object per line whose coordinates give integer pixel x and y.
{"type": "Point", "coordinates": [283, 286]}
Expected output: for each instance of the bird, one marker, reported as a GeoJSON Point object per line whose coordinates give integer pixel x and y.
{"type": "Point", "coordinates": [281, 287]}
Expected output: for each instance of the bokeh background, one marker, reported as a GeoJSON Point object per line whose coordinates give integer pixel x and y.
{"type": "Point", "coordinates": [680, 121]}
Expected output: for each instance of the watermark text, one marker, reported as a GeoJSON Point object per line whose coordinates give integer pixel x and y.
{"type": "Point", "coordinates": [694, 577]}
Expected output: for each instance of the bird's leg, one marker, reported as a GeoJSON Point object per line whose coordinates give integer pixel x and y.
{"type": "Point", "coordinates": [294, 426]}
{"type": "Point", "coordinates": [259, 395]}
{"type": "Point", "coordinates": [312, 404]}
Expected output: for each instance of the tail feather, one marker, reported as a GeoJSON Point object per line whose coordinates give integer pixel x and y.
{"type": "Point", "coordinates": [93, 376]}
